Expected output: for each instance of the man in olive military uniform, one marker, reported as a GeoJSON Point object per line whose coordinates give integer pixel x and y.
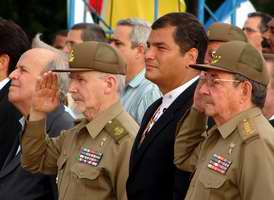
{"type": "Point", "coordinates": [218, 33]}
{"type": "Point", "coordinates": [92, 158]}
{"type": "Point", "coordinates": [234, 160]}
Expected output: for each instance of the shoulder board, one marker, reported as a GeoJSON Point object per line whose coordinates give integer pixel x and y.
{"type": "Point", "coordinates": [116, 130]}
{"type": "Point", "coordinates": [247, 130]}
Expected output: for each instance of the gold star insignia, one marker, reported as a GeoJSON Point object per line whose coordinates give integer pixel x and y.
{"type": "Point", "coordinates": [71, 56]}
{"type": "Point", "coordinates": [215, 59]}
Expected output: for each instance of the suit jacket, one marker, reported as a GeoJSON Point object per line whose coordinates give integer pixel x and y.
{"type": "Point", "coordinates": [17, 183]}
{"type": "Point", "coordinates": [152, 173]}
{"type": "Point", "coordinates": [9, 125]}
{"type": "Point", "coordinates": [271, 122]}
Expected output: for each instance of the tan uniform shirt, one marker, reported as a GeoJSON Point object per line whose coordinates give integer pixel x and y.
{"type": "Point", "coordinates": [230, 162]}
{"type": "Point", "coordinates": [91, 159]}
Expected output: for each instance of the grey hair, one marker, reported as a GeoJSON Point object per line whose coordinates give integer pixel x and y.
{"type": "Point", "coordinates": [140, 31]}
{"type": "Point", "coordinates": [121, 80]}
{"type": "Point", "coordinates": [60, 61]}
{"type": "Point", "coordinates": [258, 93]}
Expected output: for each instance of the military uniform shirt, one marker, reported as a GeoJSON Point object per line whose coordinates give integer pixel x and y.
{"type": "Point", "coordinates": [91, 159]}
{"type": "Point", "coordinates": [234, 161]}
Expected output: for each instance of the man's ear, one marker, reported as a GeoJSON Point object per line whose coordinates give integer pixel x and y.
{"type": "Point", "coordinates": [110, 83]}
{"type": "Point", "coordinates": [4, 64]}
{"type": "Point", "coordinates": [140, 50]}
{"type": "Point", "coordinates": [246, 90]}
{"type": "Point", "coordinates": [192, 55]}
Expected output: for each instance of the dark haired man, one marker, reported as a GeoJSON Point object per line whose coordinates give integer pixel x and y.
{"type": "Point", "coordinates": [176, 41]}
{"type": "Point", "coordinates": [13, 43]}
{"type": "Point", "coordinates": [59, 39]}
{"type": "Point", "coordinates": [255, 26]}
{"type": "Point", "coordinates": [84, 32]}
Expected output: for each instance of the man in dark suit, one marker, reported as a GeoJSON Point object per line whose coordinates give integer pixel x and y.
{"type": "Point", "coordinates": [176, 41]}
{"type": "Point", "coordinates": [15, 182]}
{"type": "Point", "coordinates": [13, 43]}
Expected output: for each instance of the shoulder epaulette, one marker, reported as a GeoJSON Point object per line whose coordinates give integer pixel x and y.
{"type": "Point", "coordinates": [116, 130]}
{"type": "Point", "coordinates": [247, 130]}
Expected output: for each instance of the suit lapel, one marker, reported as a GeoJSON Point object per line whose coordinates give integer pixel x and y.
{"type": "Point", "coordinates": [4, 91]}
{"type": "Point", "coordinates": [179, 106]}
{"type": "Point", "coordinates": [148, 115]}
{"type": "Point", "coordinates": [12, 160]}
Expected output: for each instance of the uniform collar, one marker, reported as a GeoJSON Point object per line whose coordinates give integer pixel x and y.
{"type": "Point", "coordinates": [137, 80]}
{"type": "Point", "coordinates": [95, 126]}
{"type": "Point", "coordinates": [227, 128]}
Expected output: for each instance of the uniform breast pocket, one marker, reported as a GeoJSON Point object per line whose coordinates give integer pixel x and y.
{"type": "Point", "coordinates": [211, 179]}
{"type": "Point", "coordinates": [85, 174]}
{"type": "Point", "coordinates": [212, 185]}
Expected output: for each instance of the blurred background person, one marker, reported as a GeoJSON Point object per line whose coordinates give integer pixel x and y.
{"type": "Point", "coordinates": [268, 109]}
{"type": "Point", "coordinates": [84, 32]}
{"type": "Point", "coordinates": [255, 26]}
{"type": "Point", "coordinates": [59, 39]}
{"type": "Point", "coordinates": [269, 35]}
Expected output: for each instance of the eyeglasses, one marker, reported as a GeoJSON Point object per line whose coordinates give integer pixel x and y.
{"type": "Point", "coordinates": [250, 30]}
{"type": "Point", "coordinates": [213, 82]}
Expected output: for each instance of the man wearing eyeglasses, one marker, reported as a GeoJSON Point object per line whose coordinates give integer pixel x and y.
{"type": "Point", "coordinates": [233, 160]}
{"type": "Point", "coordinates": [218, 33]}
{"type": "Point", "coordinates": [255, 26]}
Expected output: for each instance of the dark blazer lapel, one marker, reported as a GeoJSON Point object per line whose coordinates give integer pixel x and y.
{"type": "Point", "coordinates": [181, 104]}
{"type": "Point", "coordinates": [12, 162]}
{"type": "Point", "coordinates": [149, 113]}
{"type": "Point", "coordinates": [4, 91]}
{"type": "Point", "coordinates": [10, 167]}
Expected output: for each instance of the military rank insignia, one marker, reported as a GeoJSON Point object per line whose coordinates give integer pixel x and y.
{"type": "Point", "coordinates": [215, 59]}
{"type": "Point", "coordinates": [219, 164]}
{"type": "Point", "coordinates": [90, 157]}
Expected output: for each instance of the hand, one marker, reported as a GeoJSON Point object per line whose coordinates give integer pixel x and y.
{"type": "Point", "coordinates": [46, 96]}
{"type": "Point", "coordinates": [198, 102]}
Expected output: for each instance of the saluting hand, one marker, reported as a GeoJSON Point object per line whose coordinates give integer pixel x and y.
{"type": "Point", "coordinates": [46, 96]}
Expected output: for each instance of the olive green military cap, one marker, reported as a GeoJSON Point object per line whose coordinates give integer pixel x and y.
{"type": "Point", "coordinates": [94, 56]}
{"type": "Point", "coordinates": [240, 58]}
{"type": "Point", "coordinates": [225, 33]}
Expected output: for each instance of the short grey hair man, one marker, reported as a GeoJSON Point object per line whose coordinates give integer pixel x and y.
{"type": "Point", "coordinates": [140, 30]}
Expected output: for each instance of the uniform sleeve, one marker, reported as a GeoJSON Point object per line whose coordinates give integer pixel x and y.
{"type": "Point", "coordinates": [257, 173]}
{"type": "Point", "coordinates": [121, 166]}
{"type": "Point", "coordinates": [39, 152]}
{"type": "Point", "coordinates": [187, 141]}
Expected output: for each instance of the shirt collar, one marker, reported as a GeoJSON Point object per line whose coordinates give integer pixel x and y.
{"type": "Point", "coordinates": [95, 126]}
{"type": "Point", "coordinates": [137, 80]}
{"type": "Point", "coordinates": [227, 128]}
{"type": "Point", "coordinates": [4, 82]}
{"type": "Point", "coordinates": [22, 121]}
{"type": "Point", "coordinates": [271, 118]}
{"type": "Point", "coordinates": [169, 97]}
